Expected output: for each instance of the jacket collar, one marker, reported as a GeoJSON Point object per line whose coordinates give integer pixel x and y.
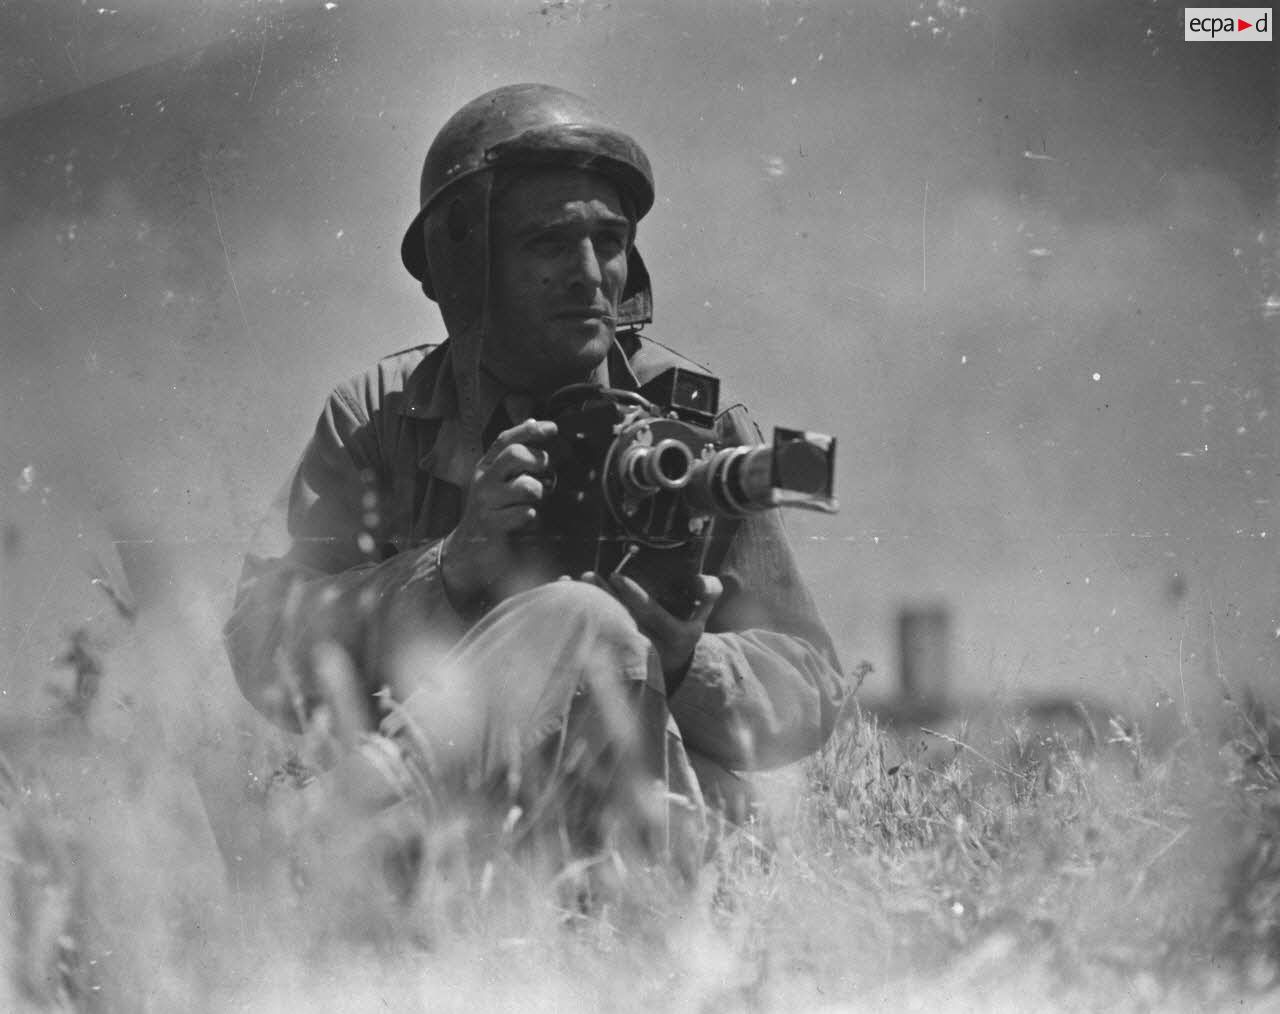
{"type": "Point", "coordinates": [431, 392]}
{"type": "Point", "coordinates": [431, 396]}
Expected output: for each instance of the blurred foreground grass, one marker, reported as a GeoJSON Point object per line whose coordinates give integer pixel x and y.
{"type": "Point", "coordinates": [1020, 867]}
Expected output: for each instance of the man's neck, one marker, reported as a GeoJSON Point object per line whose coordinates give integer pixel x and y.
{"type": "Point", "coordinates": [494, 391]}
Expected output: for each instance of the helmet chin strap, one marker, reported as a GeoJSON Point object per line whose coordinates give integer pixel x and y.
{"type": "Point", "coordinates": [468, 345]}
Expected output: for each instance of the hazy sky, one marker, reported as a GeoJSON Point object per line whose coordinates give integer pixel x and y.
{"type": "Point", "coordinates": [1015, 255]}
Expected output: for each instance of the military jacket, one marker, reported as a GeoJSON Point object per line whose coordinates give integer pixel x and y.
{"type": "Point", "coordinates": [349, 555]}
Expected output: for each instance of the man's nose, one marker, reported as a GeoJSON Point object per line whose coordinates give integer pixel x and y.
{"type": "Point", "coordinates": [586, 263]}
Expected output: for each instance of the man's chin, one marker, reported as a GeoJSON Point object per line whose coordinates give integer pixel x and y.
{"type": "Point", "coordinates": [578, 351]}
{"type": "Point", "coordinates": [558, 357]}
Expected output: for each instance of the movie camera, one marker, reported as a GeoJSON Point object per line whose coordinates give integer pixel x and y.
{"type": "Point", "coordinates": [641, 480]}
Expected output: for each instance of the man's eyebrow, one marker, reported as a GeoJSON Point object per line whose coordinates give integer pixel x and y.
{"type": "Point", "coordinates": [558, 222]}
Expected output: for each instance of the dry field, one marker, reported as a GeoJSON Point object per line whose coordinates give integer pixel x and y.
{"type": "Point", "coordinates": [1019, 868]}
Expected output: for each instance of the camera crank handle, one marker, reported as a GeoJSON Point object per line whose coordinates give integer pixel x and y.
{"type": "Point", "coordinates": [627, 557]}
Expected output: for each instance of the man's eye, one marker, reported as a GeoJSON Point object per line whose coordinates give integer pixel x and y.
{"type": "Point", "coordinates": [547, 246]}
{"type": "Point", "coordinates": [609, 245]}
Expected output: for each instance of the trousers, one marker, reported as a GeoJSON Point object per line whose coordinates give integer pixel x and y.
{"type": "Point", "coordinates": [549, 717]}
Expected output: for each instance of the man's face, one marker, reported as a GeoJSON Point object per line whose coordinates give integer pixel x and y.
{"type": "Point", "coordinates": [560, 240]}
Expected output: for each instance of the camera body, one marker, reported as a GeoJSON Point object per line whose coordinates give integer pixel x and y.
{"type": "Point", "coordinates": [641, 481]}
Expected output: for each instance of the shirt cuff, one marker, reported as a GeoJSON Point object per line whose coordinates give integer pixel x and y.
{"type": "Point", "coordinates": [468, 611]}
{"type": "Point", "coordinates": [414, 607]}
{"type": "Point", "coordinates": [438, 607]}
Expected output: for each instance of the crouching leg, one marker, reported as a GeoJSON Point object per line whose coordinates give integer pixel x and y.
{"type": "Point", "coordinates": [548, 721]}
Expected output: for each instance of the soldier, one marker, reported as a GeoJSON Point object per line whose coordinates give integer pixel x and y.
{"type": "Point", "coordinates": [396, 543]}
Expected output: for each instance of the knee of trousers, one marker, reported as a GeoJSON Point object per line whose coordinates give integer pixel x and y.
{"type": "Point", "coordinates": [588, 631]}
{"type": "Point", "coordinates": [577, 604]}
{"type": "Point", "coordinates": [522, 670]}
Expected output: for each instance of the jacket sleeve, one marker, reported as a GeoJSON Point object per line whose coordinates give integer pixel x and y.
{"type": "Point", "coordinates": [316, 578]}
{"type": "Point", "coordinates": [764, 687]}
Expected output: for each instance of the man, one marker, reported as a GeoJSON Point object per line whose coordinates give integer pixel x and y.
{"type": "Point", "coordinates": [400, 557]}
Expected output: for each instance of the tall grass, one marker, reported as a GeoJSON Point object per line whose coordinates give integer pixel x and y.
{"type": "Point", "coordinates": [1021, 869]}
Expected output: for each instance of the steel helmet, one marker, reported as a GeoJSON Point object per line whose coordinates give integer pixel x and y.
{"type": "Point", "coordinates": [512, 127]}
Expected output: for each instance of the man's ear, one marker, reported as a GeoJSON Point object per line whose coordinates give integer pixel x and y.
{"type": "Point", "coordinates": [636, 305]}
{"type": "Point", "coordinates": [637, 274]}
{"type": "Point", "coordinates": [428, 286]}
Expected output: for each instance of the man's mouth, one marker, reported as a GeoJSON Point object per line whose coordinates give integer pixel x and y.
{"type": "Point", "coordinates": [585, 313]}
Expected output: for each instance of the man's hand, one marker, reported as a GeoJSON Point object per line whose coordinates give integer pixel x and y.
{"type": "Point", "coordinates": [506, 490]}
{"type": "Point", "coordinates": [674, 639]}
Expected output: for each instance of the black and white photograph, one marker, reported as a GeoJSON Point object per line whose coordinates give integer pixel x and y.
{"type": "Point", "coordinates": [639, 505]}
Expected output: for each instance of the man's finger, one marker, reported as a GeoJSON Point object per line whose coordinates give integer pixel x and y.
{"type": "Point", "coordinates": [531, 431]}
{"type": "Point", "coordinates": [636, 598]}
{"type": "Point", "coordinates": [524, 488]}
{"type": "Point", "coordinates": [517, 459]}
{"type": "Point", "coordinates": [516, 516]}
{"type": "Point", "coordinates": [641, 604]}
{"type": "Point", "coordinates": [709, 591]}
